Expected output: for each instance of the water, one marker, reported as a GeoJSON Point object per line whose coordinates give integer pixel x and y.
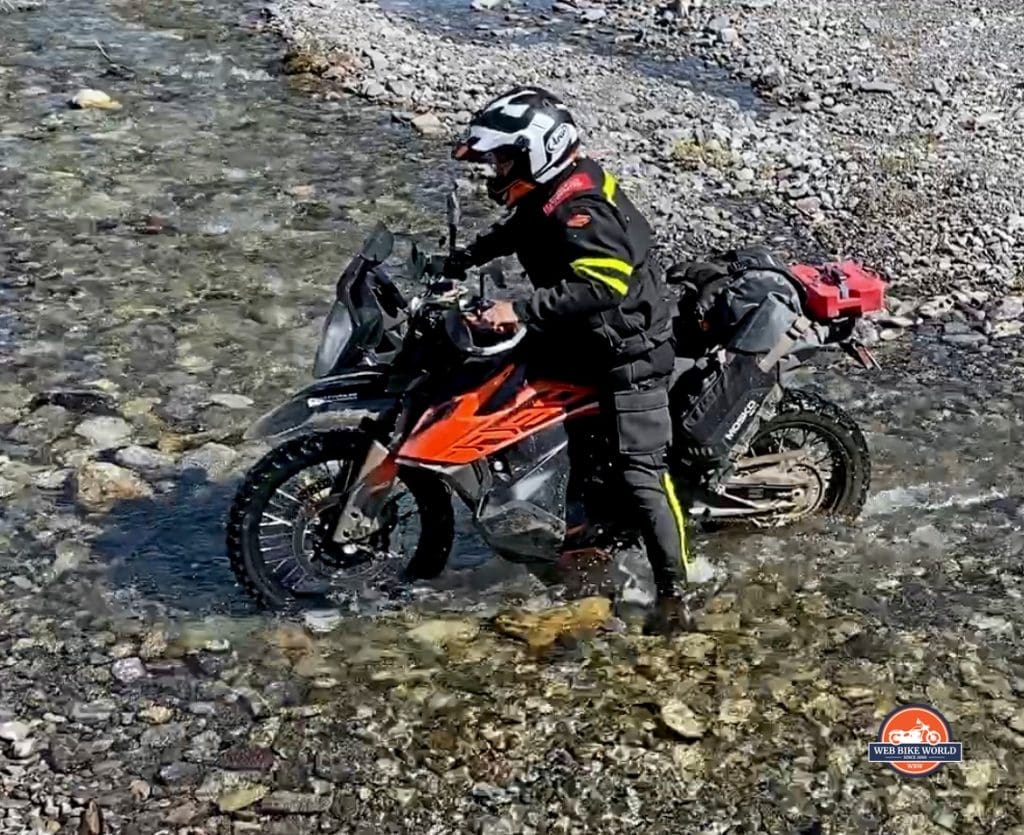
{"type": "Point", "coordinates": [186, 246]}
{"type": "Point", "coordinates": [188, 243]}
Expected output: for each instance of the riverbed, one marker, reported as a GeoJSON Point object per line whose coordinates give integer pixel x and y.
{"type": "Point", "coordinates": [165, 270]}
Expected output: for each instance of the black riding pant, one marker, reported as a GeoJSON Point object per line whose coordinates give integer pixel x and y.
{"type": "Point", "coordinates": [639, 428]}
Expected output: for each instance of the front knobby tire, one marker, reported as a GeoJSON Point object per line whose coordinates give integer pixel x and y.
{"type": "Point", "coordinates": [272, 588]}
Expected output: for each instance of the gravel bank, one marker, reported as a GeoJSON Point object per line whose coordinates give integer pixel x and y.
{"type": "Point", "coordinates": [893, 138]}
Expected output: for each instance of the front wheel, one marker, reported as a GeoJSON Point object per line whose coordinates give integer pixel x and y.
{"type": "Point", "coordinates": [280, 524]}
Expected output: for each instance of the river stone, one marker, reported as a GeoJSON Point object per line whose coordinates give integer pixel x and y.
{"type": "Point", "coordinates": [70, 555]}
{"type": "Point", "coordinates": [23, 749]}
{"type": "Point", "coordinates": [296, 803]}
{"type": "Point", "coordinates": [241, 798]}
{"type": "Point", "coordinates": [96, 99]}
{"type": "Point", "coordinates": [104, 432]}
{"type": "Point", "coordinates": [443, 632]}
{"type": "Point", "coordinates": [681, 719]}
{"type": "Point", "coordinates": [128, 670]}
{"type": "Point", "coordinates": [100, 485]}
{"type": "Point", "coordinates": [735, 711]}
{"type": "Point", "coordinates": [144, 458]}
{"type": "Point", "coordinates": [180, 774]}
{"type": "Point", "coordinates": [322, 622]}
{"type": "Point", "coordinates": [163, 736]}
{"type": "Point", "coordinates": [231, 401]}
{"type": "Point", "coordinates": [98, 711]}
{"type": "Point", "coordinates": [428, 124]}
{"type": "Point", "coordinates": [214, 459]}
{"type": "Point", "coordinates": [13, 731]}
{"type": "Point", "coordinates": [543, 629]}
{"type": "Point", "coordinates": [401, 88]}
{"type": "Point", "coordinates": [878, 86]}
{"type": "Point", "coordinates": [157, 714]}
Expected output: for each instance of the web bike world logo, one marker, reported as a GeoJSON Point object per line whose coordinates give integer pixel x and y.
{"type": "Point", "coordinates": [915, 740]}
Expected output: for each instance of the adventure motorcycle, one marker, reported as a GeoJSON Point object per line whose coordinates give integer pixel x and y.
{"type": "Point", "coordinates": [411, 405]}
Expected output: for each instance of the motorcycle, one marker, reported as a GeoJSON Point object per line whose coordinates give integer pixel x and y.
{"type": "Point", "coordinates": [411, 407]}
{"type": "Point", "coordinates": [920, 733]}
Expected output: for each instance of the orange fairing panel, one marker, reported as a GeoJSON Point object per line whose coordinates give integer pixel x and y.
{"type": "Point", "coordinates": [463, 436]}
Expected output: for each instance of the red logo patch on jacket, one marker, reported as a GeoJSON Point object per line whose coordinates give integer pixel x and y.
{"type": "Point", "coordinates": [578, 221]}
{"type": "Point", "coordinates": [576, 184]}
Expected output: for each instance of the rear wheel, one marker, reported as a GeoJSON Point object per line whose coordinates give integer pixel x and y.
{"type": "Point", "coordinates": [279, 528]}
{"type": "Point", "coordinates": [826, 451]}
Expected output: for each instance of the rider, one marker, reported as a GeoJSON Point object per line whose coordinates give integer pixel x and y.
{"type": "Point", "coordinates": [596, 305]}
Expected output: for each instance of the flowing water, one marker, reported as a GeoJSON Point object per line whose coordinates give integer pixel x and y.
{"type": "Point", "coordinates": [185, 246]}
{"type": "Point", "coordinates": [168, 265]}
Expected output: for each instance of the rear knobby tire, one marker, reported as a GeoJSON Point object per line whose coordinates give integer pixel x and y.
{"type": "Point", "coordinates": [848, 493]}
{"type": "Point", "coordinates": [431, 496]}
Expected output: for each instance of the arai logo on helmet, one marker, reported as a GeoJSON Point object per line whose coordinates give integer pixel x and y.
{"type": "Point", "coordinates": [558, 140]}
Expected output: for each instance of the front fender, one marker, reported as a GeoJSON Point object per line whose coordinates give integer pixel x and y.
{"type": "Point", "coordinates": [341, 400]}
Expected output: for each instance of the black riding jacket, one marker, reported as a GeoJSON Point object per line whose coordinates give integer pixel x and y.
{"type": "Point", "coordinates": [585, 248]}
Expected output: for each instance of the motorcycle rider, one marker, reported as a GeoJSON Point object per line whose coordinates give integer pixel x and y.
{"type": "Point", "coordinates": [596, 304]}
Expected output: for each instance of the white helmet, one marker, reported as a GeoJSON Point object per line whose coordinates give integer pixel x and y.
{"type": "Point", "coordinates": [529, 137]}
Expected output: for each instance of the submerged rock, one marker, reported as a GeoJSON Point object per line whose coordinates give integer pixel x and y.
{"type": "Point", "coordinates": [680, 718]}
{"type": "Point", "coordinates": [100, 485]}
{"type": "Point", "coordinates": [104, 432]}
{"type": "Point", "coordinates": [443, 632]}
{"type": "Point", "coordinates": [542, 629]}
{"type": "Point", "coordinates": [95, 99]}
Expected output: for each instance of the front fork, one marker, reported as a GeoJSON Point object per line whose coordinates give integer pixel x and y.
{"type": "Point", "coordinates": [361, 512]}
{"type": "Point", "coordinates": [373, 484]}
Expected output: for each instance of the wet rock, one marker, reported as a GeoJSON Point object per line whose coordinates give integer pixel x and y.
{"type": "Point", "coordinates": [43, 426]}
{"type": "Point", "coordinates": [695, 647]}
{"type": "Point", "coordinates": [91, 821]}
{"type": "Point", "coordinates": [23, 749]}
{"type": "Point", "coordinates": [543, 629]}
{"type": "Point", "coordinates": [95, 99]}
{"type": "Point", "coordinates": [104, 432]}
{"type": "Point", "coordinates": [101, 485]}
{"type": "Point", "coordinates": [98, 712]}
{"type": "Point", "coordinates": [307, 62]}
{"type": "Point", "coordinates": [13, 731]}
{"type": "Point", "coordinates": [246, 758]}
{"type": "Point", "coordinates": [128, 670]}
{"type": "Point", "coordinates": [213, 459]}
{"type": "Point", "coordinates": [680, 718]}
{"type": "Point", "coordinates": [371, 89]}
{"type": "Point", "coordinates": [183, 814]}
{"type": "Point", "coordinates": [180, 774]}
{"type": "Point", "coordinates": [140, 790]}
{"type": "Point", "coordinates": [735, 711]}
{"type": "Point", "coordinates": [157, 714]}
{"type": "Point", "coordinates": [154, 644]}
{"type": "Point", "coordinates": [296, 803]}
{"type": "Point", "coordinates": [231, 401]}
{"type": "Point", "coordinates": [144, 459]}
{"type": "Point", "coordinates": [242, 797]}
{"type": "Point", "coordinates": [322, 622]}
{"type": "Point", "coordinates": [809, 205]}
{"type": "Point", "coordinates": [718, 621]}
{"type": "Point", "coordinates": [163, 736]}
{"type": "Point", "coordinates": [428, 124]}
{"type": "Point", "coordinates": [70, 556]}
{"type": "Point", "coordinates": [443, 632]}
{"type": "Point", "coordinates": [402, 89]}
{"type": "Point", "coordinates": [877, 86]}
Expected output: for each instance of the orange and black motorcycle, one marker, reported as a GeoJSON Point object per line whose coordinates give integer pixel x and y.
{"type": "Point", "coordinates": [410, 406]}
